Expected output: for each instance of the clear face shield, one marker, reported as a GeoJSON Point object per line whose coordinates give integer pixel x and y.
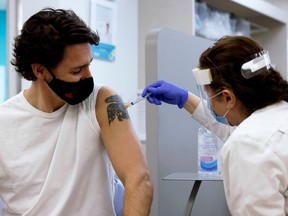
{"type": "Point", "coordinates": [207, 137]}
{"type": "Point", "coordinates": [214, 112]}
{"type": "Point", "coordinates": [251, 67]}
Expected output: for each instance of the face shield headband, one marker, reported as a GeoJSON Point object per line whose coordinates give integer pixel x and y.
{"type": "Point", "coordinates": [259, 63]}
{"type": "Point", "coordinates": [252, 66]}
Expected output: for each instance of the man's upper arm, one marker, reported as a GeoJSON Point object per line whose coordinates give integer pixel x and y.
{"type": "Point", "coordinates": [119, 137]}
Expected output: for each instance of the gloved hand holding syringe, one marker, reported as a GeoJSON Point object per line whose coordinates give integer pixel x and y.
{"type": "Point", "coordinates": [135, 101]}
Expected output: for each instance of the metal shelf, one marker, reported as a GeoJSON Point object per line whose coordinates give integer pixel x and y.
{"type": "Point", "coordinates": [259, 12]}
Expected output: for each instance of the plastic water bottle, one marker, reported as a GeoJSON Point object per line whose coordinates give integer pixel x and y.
{"type": "Point", "coordinates": [207, 152]}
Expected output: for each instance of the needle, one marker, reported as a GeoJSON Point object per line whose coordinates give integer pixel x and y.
{"type": "Point", "coordinates": [135, 101]}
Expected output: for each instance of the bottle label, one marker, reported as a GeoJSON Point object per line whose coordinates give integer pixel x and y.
{"type": "Point", "coordinates": [207, 152]}
{"type": "Point", "coordinates": [208, 165]}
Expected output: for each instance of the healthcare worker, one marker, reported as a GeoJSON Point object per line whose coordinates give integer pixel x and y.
{"type": "Point", "coordinates": [239, 87]}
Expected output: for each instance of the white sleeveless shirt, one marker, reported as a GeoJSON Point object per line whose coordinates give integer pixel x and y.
{"type": "Point", "coordinates": [53, 164]}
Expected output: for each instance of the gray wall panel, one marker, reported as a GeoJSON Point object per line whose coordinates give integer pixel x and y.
{"type": "Point", "coordinates": [171, 132]}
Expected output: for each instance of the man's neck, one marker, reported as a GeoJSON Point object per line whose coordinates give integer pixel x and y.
{"type": "Point", "coordinates": [40, 96]}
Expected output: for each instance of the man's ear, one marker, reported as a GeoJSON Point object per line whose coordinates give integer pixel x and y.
{"type": "Point", "coordinates": [229, 97]}
{"type": "Point", "coordinates": [39, 71]}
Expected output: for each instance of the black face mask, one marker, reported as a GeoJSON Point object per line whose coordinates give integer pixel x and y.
{"type": "Point", "coordinates": [72, 92]}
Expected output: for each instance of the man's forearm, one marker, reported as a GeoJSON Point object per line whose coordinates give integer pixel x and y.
{"type": "Point", "coordinates": [138, 198]}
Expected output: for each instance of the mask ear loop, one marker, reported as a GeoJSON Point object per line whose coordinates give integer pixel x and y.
{"type": "Point", "coordinates": [225, 114]}
{"type": "Point", "coordinates": [49, 71]}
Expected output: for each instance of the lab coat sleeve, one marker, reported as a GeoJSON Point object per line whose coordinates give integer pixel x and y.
{"type": "Point", "coordinates": [205, 118]}
{"type": "Point", "coordinates": [255, 178]}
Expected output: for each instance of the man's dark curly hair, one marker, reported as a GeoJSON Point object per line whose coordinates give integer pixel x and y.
{"type": "Point", "coordinates": [44, 37]}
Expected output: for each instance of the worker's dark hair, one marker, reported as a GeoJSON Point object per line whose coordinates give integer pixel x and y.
{"type": "Point", "coordinates": [43, 39]}
{"type": "Point", "coordinates": [226, 57]}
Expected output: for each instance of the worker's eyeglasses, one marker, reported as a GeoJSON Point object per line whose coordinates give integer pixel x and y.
{"type": "Point", "coordinates": [207, 51]}
{"type": "Point", "coordinates": [215, 95]}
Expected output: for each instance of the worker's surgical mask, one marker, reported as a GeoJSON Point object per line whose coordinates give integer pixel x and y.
{"type": "Point", "coordinates": [72, 92]}
{"type": "Point", "coordinates": [221, 119]}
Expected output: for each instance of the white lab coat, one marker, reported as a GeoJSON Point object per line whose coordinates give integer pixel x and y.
{"type": "Point", "coordinates": [255, 162]}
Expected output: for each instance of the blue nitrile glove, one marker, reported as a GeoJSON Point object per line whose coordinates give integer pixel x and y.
{"type": "Point", "coordinates": [166, 92]}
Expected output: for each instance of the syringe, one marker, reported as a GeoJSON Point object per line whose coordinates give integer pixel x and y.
{"type": "Point", "coordinates": [135, 101]}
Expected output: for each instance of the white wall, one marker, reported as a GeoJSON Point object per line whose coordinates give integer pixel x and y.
{"type": "Point", "coordinates": [161, 14]}
{"type": "Point", "coordinates": [122, 75]}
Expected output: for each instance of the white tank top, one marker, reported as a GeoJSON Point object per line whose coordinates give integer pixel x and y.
{"type": "Point", "coordinates": [53, 163]}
